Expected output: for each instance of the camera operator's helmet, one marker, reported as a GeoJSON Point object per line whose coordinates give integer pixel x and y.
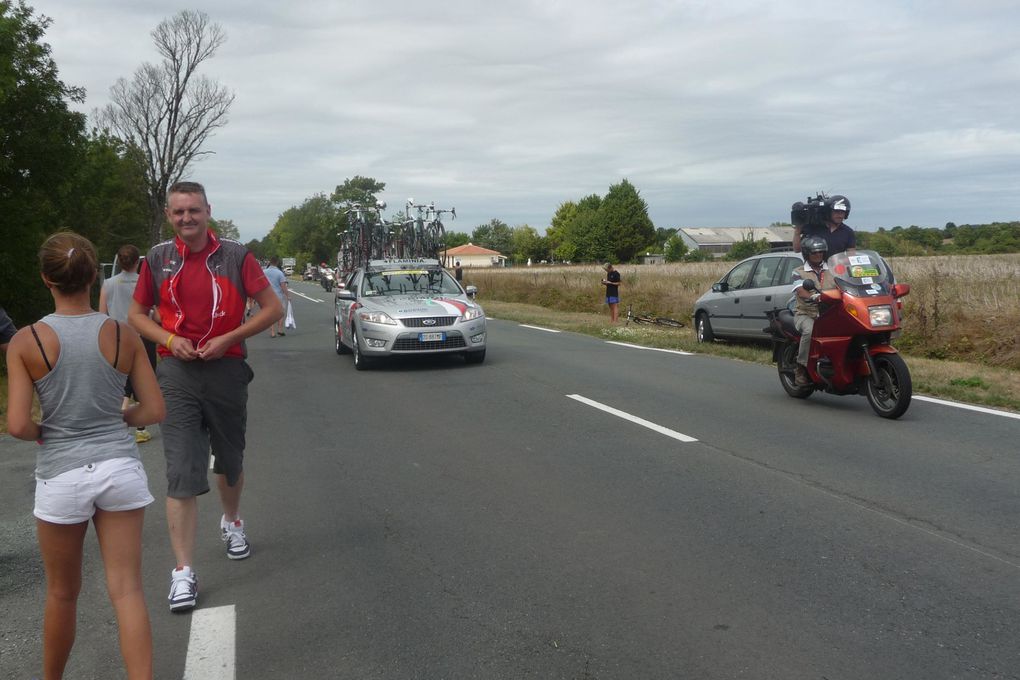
{"type": "Point", "coordinates": [813, 244]}
{"type": "Point", "coordinates": [838, 203]}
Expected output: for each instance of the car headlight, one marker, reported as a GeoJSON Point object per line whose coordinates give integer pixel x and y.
{"type": "Point", "coordinates": [473, 313]}
{"type": "Point", "coordinates": [880, 315]}
{"type": "Point", "coordinates": [376, 317]}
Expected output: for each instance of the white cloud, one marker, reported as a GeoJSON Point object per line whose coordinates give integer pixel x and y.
{"type": "Point", "coordinates": [721, 113]}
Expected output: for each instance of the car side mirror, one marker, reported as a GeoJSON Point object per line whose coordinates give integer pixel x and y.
{"type": "Point", "coordinates": [344, 294]}
{"type": "Point", "coordinates": [720, 287]}
{"type": "Point", "coordinates": [471, 291]}
{"type": "Point", "coordinates": [900, 289]}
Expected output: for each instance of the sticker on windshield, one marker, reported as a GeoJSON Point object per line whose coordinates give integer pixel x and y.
{"type": "Point", "coordinates": [405, 272]}
{"type": "Point", "coordinates": [859, 259]}
{"type": "Point", "coordinates": [867, 279]}
{"type": "Point", "coordinates": [859, 272]}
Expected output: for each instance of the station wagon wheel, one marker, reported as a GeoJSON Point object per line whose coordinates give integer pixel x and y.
{"type": "Point", "coordinates": [361, 362]}
{"type": "Point", "coordinates": [341, 348]}
{"type": "Point", "coordinates": [703, 328]}
{"type": "Point", "coordinates": [474, 357]}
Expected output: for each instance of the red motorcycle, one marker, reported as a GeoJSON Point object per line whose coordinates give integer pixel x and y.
{"type": "Point", "coordinates": [850, 345]}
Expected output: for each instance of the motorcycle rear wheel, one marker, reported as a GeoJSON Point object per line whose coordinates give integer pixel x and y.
{"type": "Point", "coordinates": [891, 397]}
{"type": "Point", "coordinates": [787, 365]}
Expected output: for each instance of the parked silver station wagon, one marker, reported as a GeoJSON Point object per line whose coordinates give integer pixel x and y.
{"type": "Point", "coordinates": [736, 305]}
{"type": "Point", "coordinates": [404, 307]}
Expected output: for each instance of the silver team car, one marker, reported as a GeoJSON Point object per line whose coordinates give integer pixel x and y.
{"type": "Point", "coordinates": [413, 306]}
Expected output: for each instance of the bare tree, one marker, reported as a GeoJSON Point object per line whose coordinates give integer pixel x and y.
{"type": "Point", "coordinates": [168, 110]}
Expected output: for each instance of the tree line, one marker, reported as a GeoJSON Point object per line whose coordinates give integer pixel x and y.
{"type": "Point", "coordinates": [613, 227]}
{"type": "Point", "coordinates": [105, 179]}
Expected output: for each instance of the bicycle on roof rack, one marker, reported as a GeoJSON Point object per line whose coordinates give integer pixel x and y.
{"type": "Point", "coordinates": [651, 320]}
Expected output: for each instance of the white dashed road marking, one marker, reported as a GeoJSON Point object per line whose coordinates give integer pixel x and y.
{"type": "Point", "coordinates": [539, 328]}
{"type": "Point", "coordinates": [211, 654]}
{"type": "Point", "coordinates": [297, 292]}
{"type": "Point", "coordinates": [634, 419]}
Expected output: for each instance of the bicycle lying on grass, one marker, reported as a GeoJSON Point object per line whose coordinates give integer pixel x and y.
{"type": "Point", "coordinates": [651, 320]}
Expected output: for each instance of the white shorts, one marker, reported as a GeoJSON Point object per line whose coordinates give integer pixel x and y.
{"type": "Point", "coordinates": [72, 497]}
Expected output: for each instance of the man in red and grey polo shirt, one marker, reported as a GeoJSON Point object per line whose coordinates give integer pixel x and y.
{"type": "Point", "coordinates": [198, 284]}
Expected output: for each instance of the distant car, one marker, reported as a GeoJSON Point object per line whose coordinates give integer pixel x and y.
{"type": "Point", "coordinates": [735, 306]}
{"type": "Point", "coordinates": [407, 307]}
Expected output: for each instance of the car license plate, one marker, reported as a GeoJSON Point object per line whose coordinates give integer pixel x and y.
{"type": "Point", "coordinates": [431, 337]}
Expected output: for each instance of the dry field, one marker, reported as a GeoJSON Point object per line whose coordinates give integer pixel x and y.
{"type": "Point", "coordinates": [961, 329]}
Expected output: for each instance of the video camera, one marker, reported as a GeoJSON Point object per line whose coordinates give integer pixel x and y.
{"type": "Point", "coordinates": [815, 211]}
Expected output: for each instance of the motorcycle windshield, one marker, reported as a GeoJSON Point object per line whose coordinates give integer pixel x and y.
{"type": "Point", "coordinates": [863, 274]}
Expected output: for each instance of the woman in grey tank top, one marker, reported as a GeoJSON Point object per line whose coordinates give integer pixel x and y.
{"type": "Point", "coordinates": [87, 465]}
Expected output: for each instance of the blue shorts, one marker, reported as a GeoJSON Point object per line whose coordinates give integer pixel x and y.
{"type": "Point", "coordinates": [612, 300]}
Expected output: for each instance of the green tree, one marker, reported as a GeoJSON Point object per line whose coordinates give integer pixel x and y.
{"type": "Point", "coordinates": [306, 232]}
{"type": "Point", "coordinates": [106, 195]}
{"type": "Point", "coordinates": [496, 235]}
{"type": "Point", "coordinates": [526, 244]}
{"type": "Point", "coordinates": [456, 238]}
{"type": "Point", "coordinates": [226, 229]}
{"type": "Point", "coordinates": [41, 149]}
{"type": "Point", "coordinates": [748, 246]}
{"type": "Point", "coordinates": [623, 214]}
{"type": "Point", "coordinates": [675, 249]}
{"type": "Point", "coordinates": [358, 189]}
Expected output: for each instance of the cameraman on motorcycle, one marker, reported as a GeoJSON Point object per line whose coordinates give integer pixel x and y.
{"type": "Point", "coordinates": [838, 236]}
{"type": "Point", "coordinates": [815, 251]}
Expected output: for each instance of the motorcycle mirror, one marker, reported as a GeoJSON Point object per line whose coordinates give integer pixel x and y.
{"type": "Point", "coordinates": [810, 285]}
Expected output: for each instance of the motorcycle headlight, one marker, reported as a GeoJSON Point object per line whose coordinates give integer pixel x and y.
{"type": "Point", "coordinates": [473, 313]}
{"type": "Point", "coordinates": [376, 317]}
{"type": "Point", "coordinates": [880, 315]}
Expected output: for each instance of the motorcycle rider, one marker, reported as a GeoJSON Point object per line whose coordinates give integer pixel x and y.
{"type": "Point", "coordinates": [815, 251]}
{"type": "Point", "coordinates": [838, 236]}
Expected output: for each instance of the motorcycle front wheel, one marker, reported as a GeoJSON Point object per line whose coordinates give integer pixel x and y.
{"type": "Point", "coordinates": [787, 378]}
{"type": "Point", "coordinates": [890, 389]}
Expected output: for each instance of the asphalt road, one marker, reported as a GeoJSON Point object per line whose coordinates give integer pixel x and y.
{"type": "Point", "coordinates": [430, 519]}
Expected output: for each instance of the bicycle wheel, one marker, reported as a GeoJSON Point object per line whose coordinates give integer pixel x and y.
{"type": "Point", "coordinates": [671, 323]}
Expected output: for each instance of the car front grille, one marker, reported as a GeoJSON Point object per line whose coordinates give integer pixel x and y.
{"type": "Point", "coordinates": [416, 345]}
{"type": "Point", "coordinates": [419, 322]}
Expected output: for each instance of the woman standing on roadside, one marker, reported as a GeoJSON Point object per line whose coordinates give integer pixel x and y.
{"type": "Point", "coordinates": [87, 467]}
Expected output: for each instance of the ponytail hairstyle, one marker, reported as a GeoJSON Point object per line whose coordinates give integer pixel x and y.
{"type": "Point", "coordinates": [68, 262]}
{"type": "Point", "coordinates": [127, 257]}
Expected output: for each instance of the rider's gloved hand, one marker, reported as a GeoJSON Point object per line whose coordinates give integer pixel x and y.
{"type": "Point", "coordinates": [815, 297]}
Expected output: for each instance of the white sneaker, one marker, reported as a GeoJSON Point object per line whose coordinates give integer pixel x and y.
{"type": "Point", "coordinates": [183, 589]}
{"type": "Point", "coordinates": [232, 534]}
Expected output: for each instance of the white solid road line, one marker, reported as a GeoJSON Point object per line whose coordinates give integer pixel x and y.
{"type": "Point", "coordinates": [539, 328]}
{"type": "Point", "coordinates": [654, 349]}
{"type": "Point", "coordinates": [211, 653]}
{"type": "Point", "coordinates": [634, 419]}
{"type": "Point", "coordinates": [968, 407]}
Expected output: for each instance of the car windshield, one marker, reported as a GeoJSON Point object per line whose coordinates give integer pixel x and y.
{"type": "Point", "coordinates": [863, 273]}
{"type": "Point", "coordinates": [410, 281]}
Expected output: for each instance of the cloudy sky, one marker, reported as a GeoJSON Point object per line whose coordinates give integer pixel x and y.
{"type": "Point", "coordinates": [720, 112]}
